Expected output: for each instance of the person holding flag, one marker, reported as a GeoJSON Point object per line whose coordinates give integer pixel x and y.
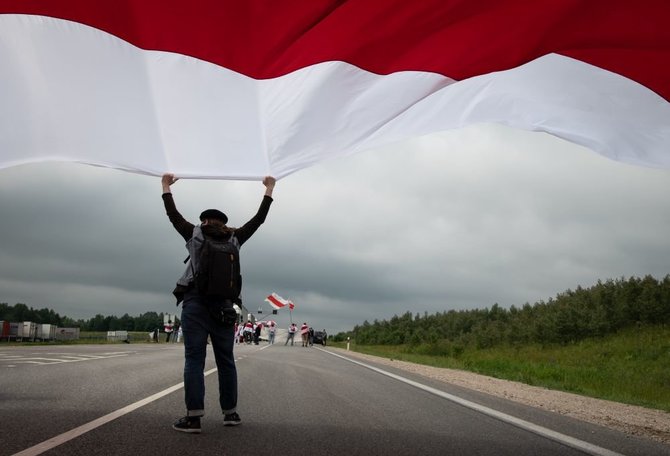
{"type": "Point", "coordinates": [198, 324]}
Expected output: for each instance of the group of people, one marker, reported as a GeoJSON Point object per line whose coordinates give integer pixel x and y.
{"type": "Point", "coordinates": [250, 332]}
{"type": "Point", "coordinates": [172, 333]}
{"type": "Point", "coordinates": [306, 334]}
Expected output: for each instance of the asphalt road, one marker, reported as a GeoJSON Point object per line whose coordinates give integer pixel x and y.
{"type": "Point", "coordinates": [122, 399]}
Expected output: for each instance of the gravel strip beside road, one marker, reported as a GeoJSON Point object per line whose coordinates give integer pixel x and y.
{"type": "Point", "coordinates": [630, 419]}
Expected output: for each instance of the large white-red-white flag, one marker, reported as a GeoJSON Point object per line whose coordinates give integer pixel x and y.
{"type": "Point", "coordinates": [223, 88]}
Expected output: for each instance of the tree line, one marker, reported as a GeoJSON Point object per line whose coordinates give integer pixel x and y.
{"type": "Point", "coordinates": [602, 309]}
{"type": "Point", "coordinates": [148, 321]}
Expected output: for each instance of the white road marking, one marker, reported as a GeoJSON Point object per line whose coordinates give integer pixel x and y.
{"type": "Point", "coordinates": [64, 358]}
{"type": "Point", "coordinates": [84, 428]}
{"type": "Point", "coordinates": [534, 428]}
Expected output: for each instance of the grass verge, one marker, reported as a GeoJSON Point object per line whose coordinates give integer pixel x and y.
{"type": "Point", "coordinates": [631, 367]}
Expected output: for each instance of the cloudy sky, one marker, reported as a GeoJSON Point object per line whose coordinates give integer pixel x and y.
{"type": "Point", "coordinates": [457, 220]}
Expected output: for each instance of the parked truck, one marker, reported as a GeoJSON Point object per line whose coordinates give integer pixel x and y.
{"type": "Point", "coordinates": [14, 330]}
{"type": "Point", "coordinates": [27, 331]}
{"type": "Point", "coordinates": [67, 333]}
{"type": "Point", "coordinates": [4, 330]}
{"type": "Point", "coordinates": [46, 331]}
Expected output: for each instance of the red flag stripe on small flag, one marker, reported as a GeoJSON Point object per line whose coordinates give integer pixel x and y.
{"type": "Point", "coordinates": [291, 306]}
{"type": "Point", "coordinates": [276, 301]}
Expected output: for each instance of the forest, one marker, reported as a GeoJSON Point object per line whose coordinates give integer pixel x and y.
{"type": "Point", "coordinates": [148, 321]}
{"type": "Point", "coordinates": [571, 316]}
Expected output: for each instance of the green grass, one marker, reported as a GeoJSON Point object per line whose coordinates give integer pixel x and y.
{"type": "Point", "coordinates": [631, 367]}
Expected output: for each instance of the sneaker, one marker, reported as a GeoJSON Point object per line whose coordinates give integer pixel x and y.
{"type": "Point", "coordinates": [189, 424]}
{"type": "Point", "coordinates": [232, 419]}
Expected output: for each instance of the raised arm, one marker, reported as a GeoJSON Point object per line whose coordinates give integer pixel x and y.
{"type": "Point", "coordinates": [183, 226]}
{"type": "Point", "coordinates": [248, 229]}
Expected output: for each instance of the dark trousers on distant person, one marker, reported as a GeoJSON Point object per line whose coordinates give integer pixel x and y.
{"type": "Point", "coordinates": [290, 337]}
{"type": "Point", "coordinates": [197, 324]}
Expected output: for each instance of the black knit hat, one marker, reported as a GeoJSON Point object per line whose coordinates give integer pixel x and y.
{"type": "Point", "coordinates": [213, 214]}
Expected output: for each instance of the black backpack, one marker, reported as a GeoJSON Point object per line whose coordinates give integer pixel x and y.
{"type": "Point", "coordinates": [218, 273]}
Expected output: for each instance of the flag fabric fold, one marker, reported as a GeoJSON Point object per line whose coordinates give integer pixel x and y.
{"type": "Point", "coordinates": [276, 301]}
{"type": "Point", "coordinates": [154, 87]}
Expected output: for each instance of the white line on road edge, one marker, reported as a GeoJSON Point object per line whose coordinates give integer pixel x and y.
{"type": "Point", "coordinates": [84, 428]}
{"type": "Point", "coordinates": [548, 433]}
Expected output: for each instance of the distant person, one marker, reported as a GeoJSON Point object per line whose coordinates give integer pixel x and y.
{"type": "Point", "coordinates": [304, 330]}
{"type": "Point", "coordinates": [248, 331]}
{"type": "Point", "coordinates": [310, 336]}
{"type": "Point", "coordinates": [272, 330]}
{"type": "Point", "coordinates": [257, 333]}
{"type": "Point", "coordinates": [240, 334]}
{"type": "Point", "coordinates": [291, 333]}
{"type": "Point", "coordinates": [200, 308]}
{"type": "Point", "coordinates": [168, 331]}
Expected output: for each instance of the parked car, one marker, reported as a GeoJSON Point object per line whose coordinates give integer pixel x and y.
{"type": "Point", "coordinates": [320, 337]}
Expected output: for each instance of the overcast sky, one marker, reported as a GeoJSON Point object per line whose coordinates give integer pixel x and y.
{"type": "Point", "coordinates": [458, 220]}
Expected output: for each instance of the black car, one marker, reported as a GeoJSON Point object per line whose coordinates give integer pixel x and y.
{"type": "Point", "coordinates": [320, 337]}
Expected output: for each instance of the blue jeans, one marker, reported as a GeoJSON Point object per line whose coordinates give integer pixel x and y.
{"type": "Point", "coordinates": [196, 325]}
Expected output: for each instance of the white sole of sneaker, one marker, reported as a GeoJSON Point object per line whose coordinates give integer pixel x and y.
{"type": "Point", "coordinates": [188, 431]}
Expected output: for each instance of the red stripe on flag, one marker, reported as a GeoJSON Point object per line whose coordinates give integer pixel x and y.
{"type": "Point", "coordinates": [456, 38]}
{"type": "Point", "coordinates": [274, 302]}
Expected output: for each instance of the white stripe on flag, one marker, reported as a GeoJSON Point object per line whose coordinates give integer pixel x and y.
{"type": "Point", "coordinates": [125, 107]}
{"type": "Point", "coordinates": [276, 301]}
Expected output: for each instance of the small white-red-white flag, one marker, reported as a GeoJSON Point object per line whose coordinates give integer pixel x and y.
{"type": "Point", "coordinates": [291, 306]}
{"type": "Point", "coordinates": [276, 301]}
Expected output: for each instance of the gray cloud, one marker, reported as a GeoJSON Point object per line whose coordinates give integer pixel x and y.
{"type": "Point", "coordinates": [451, 221]}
